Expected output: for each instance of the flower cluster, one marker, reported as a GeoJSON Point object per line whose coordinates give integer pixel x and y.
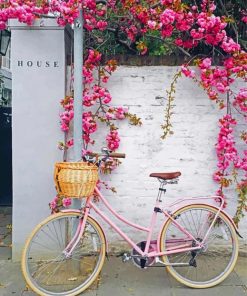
{"type": "Point", "coordinates": [217, 80]}
{"type": "Point", "coordinates": [241, 100]}
{"type": "Point", "coordinates": [225, 148]}
{"type": "Point", "coordinates": [66, 12]}
{"type": "Point", "coordinates": [214, 79]}
{"type": "Point", "coordinates": [98, 97]}
{"type": "Point", "coordinates": [227, 154]}
{"type": "Point", "coordinates": [106, 167]}
{"type": "Point", "coordinates": [59, 202]}
{"type": "Point", "coordinates": [113, 140]}
{"type": "Point", "coordinates": [116, 113]}
{"type": "Point", "coordinates": [67, 115]}
{"type": "Point", "coordinates": [89, 126]}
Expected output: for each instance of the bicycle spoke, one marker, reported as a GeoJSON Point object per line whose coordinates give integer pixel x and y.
{"type": "Point", "coordinates": [42, 245]}
{"type": "Point", "coordinates": [46, 265]}
{"type": "Point", "coordinates": [58, 237]}
{"type": "Point", "coordinates": [60, 227]}
{"type": "Point", "coordinates": [54, 271]}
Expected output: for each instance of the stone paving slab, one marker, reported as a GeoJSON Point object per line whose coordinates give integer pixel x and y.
{"type": "Point", "coordinates": [118, 279]}
{"type": "Point", "coordinates": [130, 280]}
{"type": "Point", "coordinates": [241, 270]}
{"type": "Point", "coordinates": [5, 233]}
{"type": "Point", "coordinates": [215, 291]}
{"type": "Point", "coordinates": [5, 253]}
{"type": "Point", "coordinates": [5, 210]}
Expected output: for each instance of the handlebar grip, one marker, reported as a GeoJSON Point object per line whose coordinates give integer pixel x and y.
{"type": "Point", "coordinates": [117, 155]}
{"type": "Point", "coordinates": [93, 154]}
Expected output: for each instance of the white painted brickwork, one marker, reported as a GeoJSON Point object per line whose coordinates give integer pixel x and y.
{"type": "Point", "coordinates": [190, 150]}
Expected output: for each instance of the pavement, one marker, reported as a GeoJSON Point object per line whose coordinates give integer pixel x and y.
{"type": "Point", "coordinates": [125, 279]}
{"type": "Point", "coordinates": [5, 232]}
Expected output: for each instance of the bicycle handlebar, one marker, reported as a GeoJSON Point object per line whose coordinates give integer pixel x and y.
{"type": "Point", "coordinates": [112, 154]}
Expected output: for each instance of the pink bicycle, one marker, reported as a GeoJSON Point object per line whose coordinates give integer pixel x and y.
{"type": "Point", "coordinates": [197, 243]}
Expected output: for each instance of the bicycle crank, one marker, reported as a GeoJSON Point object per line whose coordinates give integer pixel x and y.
{"type": "Point", "coordinates": [138, 260]}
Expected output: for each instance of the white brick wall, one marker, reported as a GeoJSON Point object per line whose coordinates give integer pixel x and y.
{"type": "Point", "coordinates": [190, 149]}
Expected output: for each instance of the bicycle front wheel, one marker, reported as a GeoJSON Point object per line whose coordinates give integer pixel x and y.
{"type": "Point", "coordinates": [209, 265]}
{"type": "Point", "coordinates": [47, 270]}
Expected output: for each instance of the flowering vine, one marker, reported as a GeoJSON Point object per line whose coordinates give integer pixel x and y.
{"type": "Point", "coordinates": [186, 26]}
{"type": "Point", "coordinates": [96, 98]}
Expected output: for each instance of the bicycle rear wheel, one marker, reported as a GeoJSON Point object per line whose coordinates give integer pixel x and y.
{"type": "Point", "coordinates": [209, 265]}
{"type": "Point", "coordinates": [46, 269]}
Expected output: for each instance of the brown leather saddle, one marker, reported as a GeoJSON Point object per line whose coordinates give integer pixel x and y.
{"type": "Point", "coordinates": [165, 176]}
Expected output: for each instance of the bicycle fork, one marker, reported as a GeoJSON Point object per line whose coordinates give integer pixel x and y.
{"type": "Point", "coordinates": [78, 234]}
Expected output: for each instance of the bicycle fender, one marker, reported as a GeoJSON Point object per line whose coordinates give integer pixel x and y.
{"type": "Point", "coordinates": [196, 203]}
{"type": "Point", "coordinates": [212, 203]}
{"type": "Point", "coordinates": [230, 219]}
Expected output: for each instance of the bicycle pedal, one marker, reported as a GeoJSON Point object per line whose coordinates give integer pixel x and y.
{"type": "Point", "coordinates": [192, 262]}
{"type": "Point", "coordinates": [143, 263]}
{"type": "Point", "coordinates": [126, 257]}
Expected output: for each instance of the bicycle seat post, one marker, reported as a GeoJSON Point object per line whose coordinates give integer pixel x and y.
{"type": "Point", "coordinates": [161, 189]}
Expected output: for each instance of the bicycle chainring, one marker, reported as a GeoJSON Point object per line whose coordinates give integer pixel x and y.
{"type": "Point", "coordinates": [137, 260]}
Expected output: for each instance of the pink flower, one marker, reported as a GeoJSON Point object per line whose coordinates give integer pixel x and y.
{"type": "Point", "coordinates": [221, 87]}
{"type": "Point", "coordinates": [212, 7]}
{"type": "Point", "coordinates": [101, 25]}
{"type": "Point", "coordinates": [187, 72]}
{"type": "Point", "coordinates": [168, 16]}
{"type": "Point", "coordinates": [132, 32]}
{"type": "Point", "coordinates": [113, 140]}
{"type": "Point", "coordinates": [70, 142]}
{"type": "Point", "coordinates": [196, 34]}
{"type": "Point", "coordinates": [166, 2]}
{"type": "Point", "coordinates": [184, 21]}
{"type": "Point", "coordinates": [212, 94]}
{"type": "Point", "coordinates": [152, 24]}
{"type": "Point", "coordinates": [53, 203]}
{"type": "Point", "coordinates": [229, 45]}
{"type": "Point", "coordinates": [120, 112]}
{"type": "Point", "coordinates": [205, 63]}
{"type": "Point", "coordinates": [179, 42]}
{"type": "Point", "coordinates": [2, 25]}
{"type": "Point", "coordinates": [109, 116]}
{"type": "Point", "coordinates": [66, 202]}
{"type": "Point", "coordinates": [241, 100]}
{"type": "Point", "coordinates": [167, 31]}
{"type": "Point", "coordinates": [105, 79]}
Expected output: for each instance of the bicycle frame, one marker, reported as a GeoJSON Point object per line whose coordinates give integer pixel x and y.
{"type": "Point", "coordinates": [149, 230]}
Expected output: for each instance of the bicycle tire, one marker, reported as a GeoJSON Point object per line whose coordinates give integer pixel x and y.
{"type": "Point", "coordinates": [221, 246]}
{"type": "Point", "coordinates": [71, 270]}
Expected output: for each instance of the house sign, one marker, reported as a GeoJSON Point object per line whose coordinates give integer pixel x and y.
{"type": "Point", "coordinates": [37, 64]}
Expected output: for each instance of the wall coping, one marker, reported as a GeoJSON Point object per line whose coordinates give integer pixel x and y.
{"type": "Point", "coordinates": [38, 24]}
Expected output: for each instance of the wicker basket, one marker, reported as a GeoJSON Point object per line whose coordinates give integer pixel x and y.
{"type": "Point", "coordinates": [75, 179]}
